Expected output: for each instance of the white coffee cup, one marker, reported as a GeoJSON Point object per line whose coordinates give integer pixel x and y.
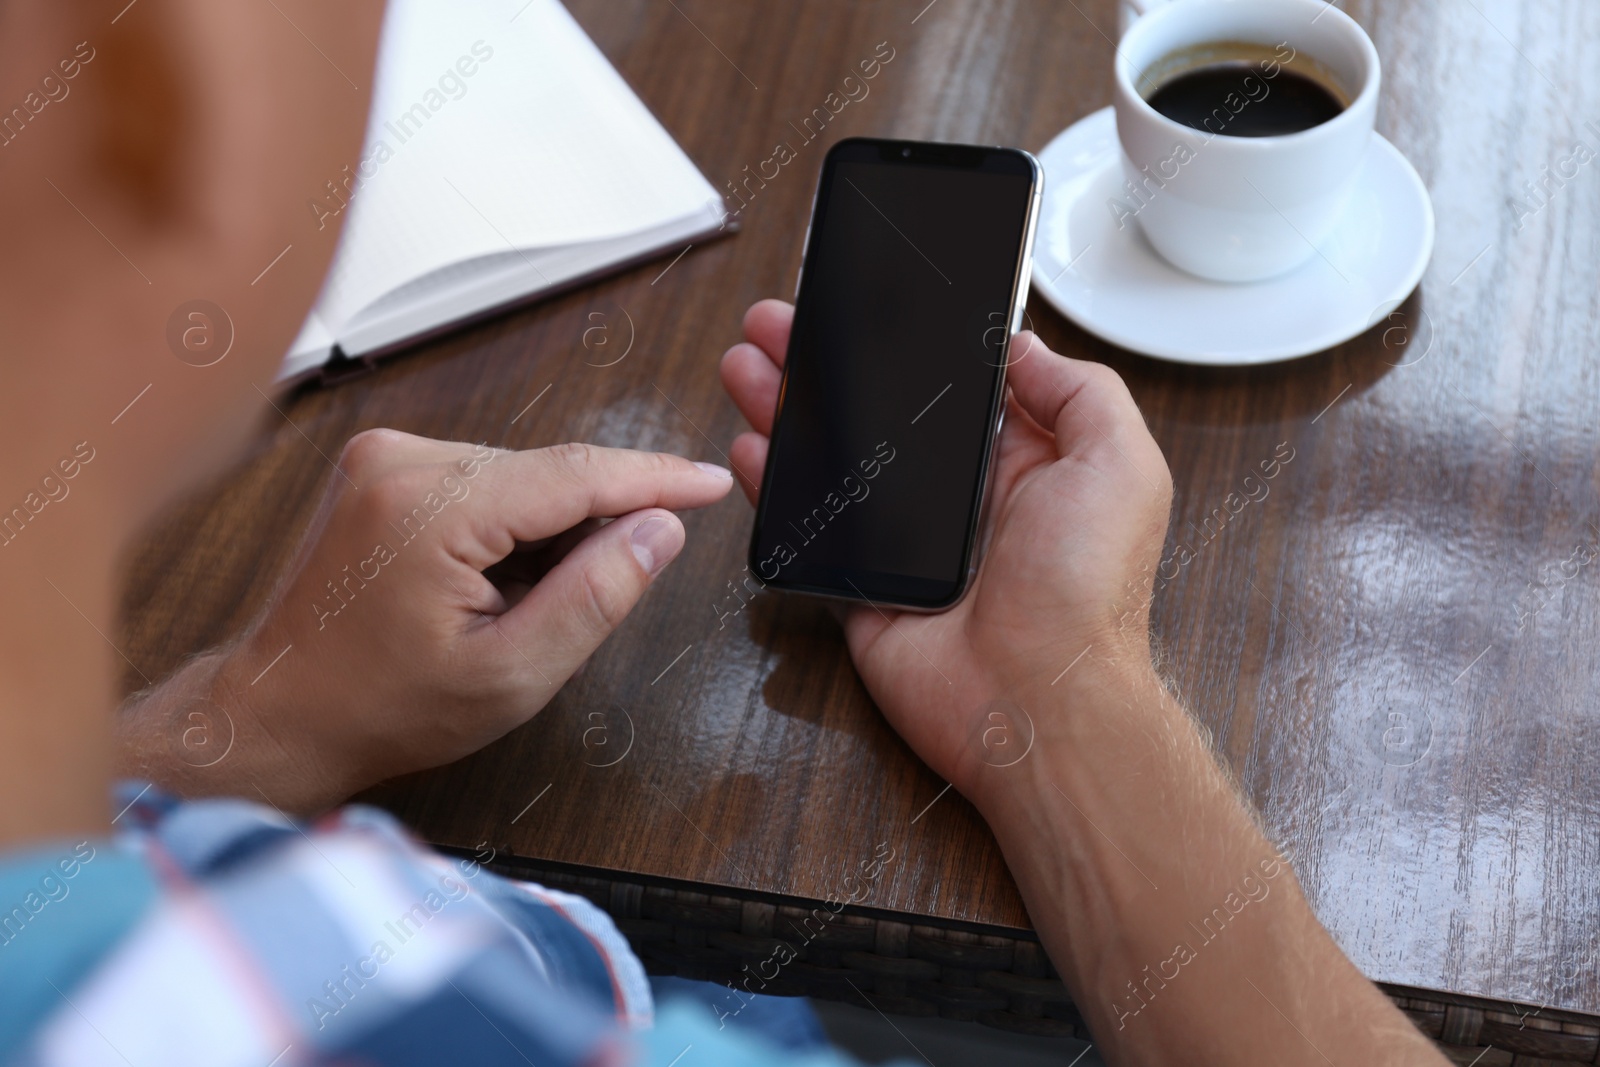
{"type": "Point", "coordinates": [1239, 209]}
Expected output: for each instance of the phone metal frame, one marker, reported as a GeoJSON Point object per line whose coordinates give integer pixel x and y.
{"type": "Point", "coordinates": [977, 539]}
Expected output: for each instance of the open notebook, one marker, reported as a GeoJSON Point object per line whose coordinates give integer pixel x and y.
{"type": "Point", "coordinates": [505, 158]}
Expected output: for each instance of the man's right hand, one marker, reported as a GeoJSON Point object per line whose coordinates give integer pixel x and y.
{"type": "Point", "coordinates": [1079, 510]}
{"type": "Point", "coordinates": [1120, 827]}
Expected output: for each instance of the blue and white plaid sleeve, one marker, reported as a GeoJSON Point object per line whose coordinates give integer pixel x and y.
{"type": "Point", "coordinates": [237, 936]}
{"type": "Point", "coordinates": [222, 933]}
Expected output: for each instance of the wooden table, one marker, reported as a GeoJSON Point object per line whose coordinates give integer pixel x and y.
{"type": "Point", "coordinates": [1388, 647]}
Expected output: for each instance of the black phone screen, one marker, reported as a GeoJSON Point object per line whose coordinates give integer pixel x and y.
{"type": "Point", "coordinates": [895, 371]}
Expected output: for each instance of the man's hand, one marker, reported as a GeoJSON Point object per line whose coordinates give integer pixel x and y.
{"type": "Point", "coordinates": [1080, 505]}
{"type": "Point", "coordinates": [1119, 826]}
{"type": "Point", "coordinates": [442, 596]}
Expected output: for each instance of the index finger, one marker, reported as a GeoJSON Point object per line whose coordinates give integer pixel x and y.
{"type": "Point", "coordinates": [526, 496]}
{"type": "Point", "coordinates": [767, 325]}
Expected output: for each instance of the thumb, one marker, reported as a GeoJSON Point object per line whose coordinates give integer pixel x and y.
{"type": "Point", "coordinates": [1078, 400]}
{"type": "Point", "coordinates": [583, 598]}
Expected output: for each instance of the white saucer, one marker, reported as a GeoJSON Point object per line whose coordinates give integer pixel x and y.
{"type": "Point", "coordinates": [1113, 284]}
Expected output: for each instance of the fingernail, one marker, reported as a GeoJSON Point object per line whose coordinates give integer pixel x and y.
{"type": "Point", "coordinates": [712, 468]}
{"type": "Point", "coordinates": [656, 542]}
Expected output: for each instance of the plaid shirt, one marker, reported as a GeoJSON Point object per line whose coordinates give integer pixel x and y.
{"type": "Point", "coordinates": [220, 932]}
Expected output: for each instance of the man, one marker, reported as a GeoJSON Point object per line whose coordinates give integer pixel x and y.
{"type": "Point", "coordinates": [161, 150]}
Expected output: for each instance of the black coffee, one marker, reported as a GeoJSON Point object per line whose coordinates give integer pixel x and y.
{"type": "Point", "coordinates": [1239, 99]}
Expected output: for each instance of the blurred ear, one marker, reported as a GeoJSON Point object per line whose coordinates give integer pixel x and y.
{"type": "Point", "coordinates": [176, 168]}
{"type": "Point", "coordinates": [149, 121]}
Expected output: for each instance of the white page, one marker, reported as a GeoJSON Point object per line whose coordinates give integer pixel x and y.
{"type": "Point", "coordinates": [503, 279]}
{"type": "Point", "coordinates": [542, 145]}
{"type": "Point", "coordinates": [309, 350]}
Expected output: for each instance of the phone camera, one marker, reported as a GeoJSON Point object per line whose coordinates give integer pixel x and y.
{"type": "Point", "coordinates": [905, 153]}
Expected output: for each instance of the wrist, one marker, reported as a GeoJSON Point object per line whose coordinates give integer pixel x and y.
{"type": "Point", "coordinates": [164, 733]}
{"type": "Point", "coordinates": [1070, 722]}
{"type": "Point", "coordinates": [274, 756]}
{"type": "Point", "coordinates": [208, 731]}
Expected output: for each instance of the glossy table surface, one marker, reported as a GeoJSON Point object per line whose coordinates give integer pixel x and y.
{"type": "Point", "coordinates": [1396, 647]}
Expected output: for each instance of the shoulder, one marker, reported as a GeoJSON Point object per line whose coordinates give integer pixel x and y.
{"type": "Point", "coordinates": [343, 938]}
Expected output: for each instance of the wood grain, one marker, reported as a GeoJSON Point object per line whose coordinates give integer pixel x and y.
{"type": "Point", "coordinates": [1362, 641]}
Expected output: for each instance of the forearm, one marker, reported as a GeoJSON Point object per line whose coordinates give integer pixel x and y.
{"type": "Point", "coordinates": [1180, 930]}
{"type": "Point", "coordinates": [205, 731]}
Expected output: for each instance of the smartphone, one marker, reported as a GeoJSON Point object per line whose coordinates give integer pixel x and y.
{"type": "Point", "coordinates": [913, 283]}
